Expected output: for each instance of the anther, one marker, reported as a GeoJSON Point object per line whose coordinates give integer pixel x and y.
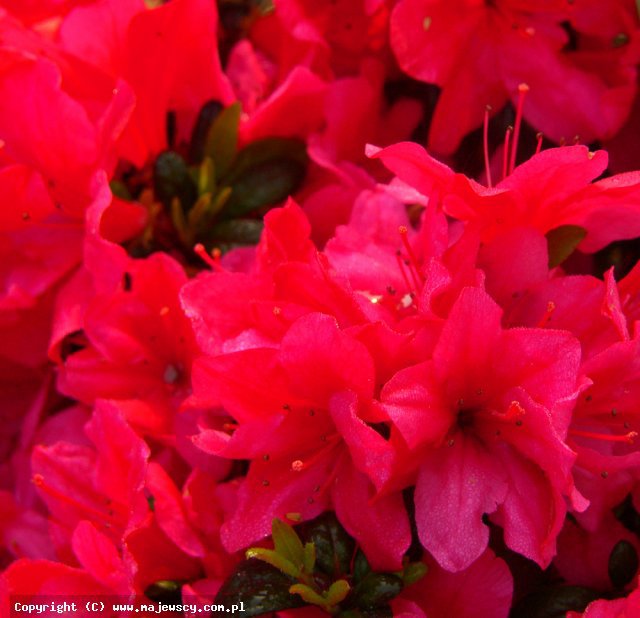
{"type": "Point", "coordinates": [213, 260]}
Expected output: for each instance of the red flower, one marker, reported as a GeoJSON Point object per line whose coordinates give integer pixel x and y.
{"type": "Point", "coordinates": [479, 53]}
{"type": "Point", "coordinates": [487, 587]}
{"type": "Point", "coordinates": [484, 421]}
{"type": "Point", "coordinates": [551, 189]}
{"type": "Point", "coordinates": [298, 417]}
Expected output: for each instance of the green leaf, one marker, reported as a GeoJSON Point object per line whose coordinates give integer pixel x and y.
{"type": "Point", "coordinates": [562, 242]}
{"type": "Point", "coordinates": [308, 594]}
{"type": "Point", "coordinates": [165, 591]}
{"type": "Point", "coordinates": [623, 563]}
{"type": "Point", "coordinates": [334, 547]}
{"type": "Point", "coordinates": [119, 189]}
{"type": "Point", "coordinates": [377, 589]}
{"type": "Point", "coordinates": [206, 176]}
{"type": "Point", "coordinates": [554, 602]}
{"type": "Point", "coordinates": [171, 179]}
{"type": "Point", "coordinates": [261, 587]}
{"type": "Point", "coordinates": [413, 572]}
{"type": "Point", "coordinates": [337, 592]}
{"type": "Point", "coordinates": [309, 561]}
{"type": "Point", "coordinates": [275, 559]}
{"type": "Point", "coordinates": [222, 138]}
{"type": "Point", "coordinates": [286, 542]}
{"type": "Point", "coordinates": [264, 174]}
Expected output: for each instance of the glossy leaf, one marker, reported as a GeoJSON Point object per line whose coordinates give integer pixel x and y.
{"type": "Point", "coordinates": [261, 587]}
{"type": "Point", "coordinates": [334, 547]}
{"type": "Point", "coordinates": [554, 602]}
{"type": "Point", "coordinates": [623, 563]}
{"type": "Point", "coordinates": [377, 589]}
{"type": "Point", "coordinates": [171, 179]}
{"type": "Point", "coordinates": [264, 174]}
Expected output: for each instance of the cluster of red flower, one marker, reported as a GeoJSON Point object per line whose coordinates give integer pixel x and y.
{"type": "Point", "coordinates": [449, 366]}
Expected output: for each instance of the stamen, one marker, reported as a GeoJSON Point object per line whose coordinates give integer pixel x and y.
{"type": "Point", "coordinates": [539, 137]}
{"type": "Point", "coordinates": [213, 260]}
{"type": "Point", "coordinates": [485, 142]}
{"type": "Point", "coordinates": [522, 93]}
{"type": "Point", "coordinates": [40, 483]}
{"type": "Point", "coordinates": [412, 256]}
{"type": "Point", "coordinates": [505, 157]}
{"type": "Point", "coordinates": [551, 307]}
{"type": "Point", "coordinates": [402, 270]}
{"type": "Point", "coordinates": [628, 438]}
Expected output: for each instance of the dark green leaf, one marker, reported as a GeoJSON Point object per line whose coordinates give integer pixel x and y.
{"type": "Point", "coordinates": [361, 567]}
{"type": "Point", "coordinates": [562, 242]}
{"type": "Point", "coordinates": [623, 563]}
{"type": "Point", "coordinates": [264, 174]}
{"type": "Point", "coordinates": [554, 602]}
{"type": "Point", "coordinates": [236, 231]}
{"type": "Point", "coordinates": [334, 547]}
{"type": "Point", "coordinates": [376, 590]}
{"type": "Point", "coordinates": [207, 115]}
{"type": "Point", "coordinates": [171, 179]}
{"type": "Point", "coordinates": [261, 588]}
